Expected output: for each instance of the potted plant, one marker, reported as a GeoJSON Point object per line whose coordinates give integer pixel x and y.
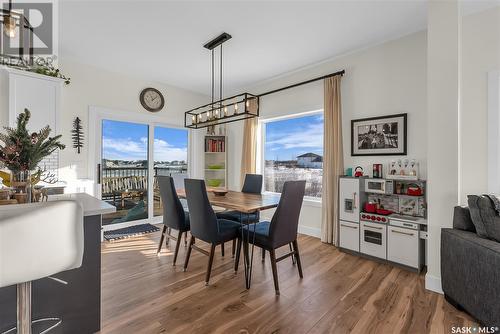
{"type": "Point", "coordinates": [22, 151]}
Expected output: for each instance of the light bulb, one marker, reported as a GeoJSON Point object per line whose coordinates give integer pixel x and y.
{"type": "Point", "coordinates": [225, 111]}
{"type": "Point", "coordinates": [216, 112]}
{"type": "Point", "coordinates": [208, 115]}
{"type": "Point", "coordinates": [247, 103]}
{"type": "Point", "coordinates": [236, 108]}
{"type": "Point", "coordinates": [193, 120]}
{"type": "Point", "coordinates": [9, 26]}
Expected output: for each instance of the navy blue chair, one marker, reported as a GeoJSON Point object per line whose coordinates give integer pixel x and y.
{"type": "Point", "coordinates": [251, 185]}
{"type": "Point", "coordinates": [204, 223]}
{"type": "Point", "coordinates": [280, 231]}
{"type": "Point", "coordinates": [174, 215]}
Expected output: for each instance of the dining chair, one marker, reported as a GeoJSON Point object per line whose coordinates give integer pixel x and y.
{"type": "Point", "coordinates": [280, 231]}
{"type": "Point", "coordinates": [174, 215]}
{"type": "Point", "coordinates": [251, 185]}
{"type": "Point", "coordinates": [204, 223]}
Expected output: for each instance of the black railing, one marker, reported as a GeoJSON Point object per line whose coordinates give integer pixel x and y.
{"type": "Point", "coordinates": [141, 171]}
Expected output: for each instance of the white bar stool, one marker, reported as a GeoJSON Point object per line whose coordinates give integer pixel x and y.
{"type": "Point", "coordinates": [36, 241]}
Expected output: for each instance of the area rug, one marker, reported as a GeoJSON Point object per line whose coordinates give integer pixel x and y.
{"type": "Point", "coordinates": [128, 232]}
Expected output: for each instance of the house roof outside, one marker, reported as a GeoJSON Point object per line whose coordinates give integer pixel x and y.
{"type": "Point", "coordinates": [310, 155]}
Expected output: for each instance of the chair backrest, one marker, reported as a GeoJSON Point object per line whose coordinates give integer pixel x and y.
{"type": "Point", "coordinates": [252, 184]}
{"type": "Point", "coordinates": [201, 215]}
{"type": "Point", "coordinates": [285, 221]}
{"type": "Point", "coordinates": [173, 212]}
{"type": "Point", "coordinates": [39, 240]}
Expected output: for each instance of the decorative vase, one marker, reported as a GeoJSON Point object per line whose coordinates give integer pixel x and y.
{"type": "Point", "coordinates": [21, 182]}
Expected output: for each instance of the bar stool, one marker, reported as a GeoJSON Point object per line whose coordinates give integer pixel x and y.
{"type": "Point", "coordinates": [37, 241]}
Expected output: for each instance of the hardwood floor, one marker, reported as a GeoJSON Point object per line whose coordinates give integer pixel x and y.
{"type": "Point", "coordinates": [340, 293]}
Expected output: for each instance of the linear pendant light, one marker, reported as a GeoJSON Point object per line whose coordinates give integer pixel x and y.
{"type": "Point", "coordinates": [222, 111]}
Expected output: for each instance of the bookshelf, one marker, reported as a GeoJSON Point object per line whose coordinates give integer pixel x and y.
{"type": "Point", "coordinates": [215, 166]}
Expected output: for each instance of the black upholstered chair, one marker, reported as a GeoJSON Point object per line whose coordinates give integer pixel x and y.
{"type": "Point", "coordinates": [204, 223]}
{"type": "Point", "coordinates": [174, 215]}
{"type": "Point", "coordinates": [280, 231]}
{"type": "Point", "coordinates": [251, 185]}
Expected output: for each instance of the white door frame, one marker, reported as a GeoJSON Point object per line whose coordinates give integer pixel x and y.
{"type": "Point", "coordinates": [493, 131]}
{"type": "Point", "coordinates": [95, 117]}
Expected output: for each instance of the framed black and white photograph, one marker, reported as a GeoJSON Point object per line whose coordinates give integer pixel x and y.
{"type": "Point", "coordinates": [384, 135]}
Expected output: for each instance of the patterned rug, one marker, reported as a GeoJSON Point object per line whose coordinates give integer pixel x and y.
{"type": "Point", "coordinates": [128, 232]}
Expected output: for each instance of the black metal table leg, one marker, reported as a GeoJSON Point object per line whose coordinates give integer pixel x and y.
{"type": "Point", "coordinates": [247, 258]}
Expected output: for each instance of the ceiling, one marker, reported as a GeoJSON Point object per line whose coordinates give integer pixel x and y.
{"type": "Point", "coordinates": [162, 40]}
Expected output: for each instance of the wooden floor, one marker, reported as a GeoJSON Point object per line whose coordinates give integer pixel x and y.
{"type": "Point", "coordinates": [340, 293]}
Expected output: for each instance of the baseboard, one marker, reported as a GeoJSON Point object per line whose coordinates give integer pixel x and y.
{"type": "Point", "coordinates": [433, 283]}
{"type": "Point", "coordinates": [311, 231]}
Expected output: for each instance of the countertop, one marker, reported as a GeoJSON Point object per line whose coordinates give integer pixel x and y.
{"type": "Point", "coordinates": [91, 205]}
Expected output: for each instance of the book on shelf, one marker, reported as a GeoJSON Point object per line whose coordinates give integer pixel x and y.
{"type": "Point", "coordinates": [215, 145]}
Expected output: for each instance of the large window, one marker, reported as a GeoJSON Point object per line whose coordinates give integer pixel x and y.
{"type": "Point", "coordinates": [293, 150]}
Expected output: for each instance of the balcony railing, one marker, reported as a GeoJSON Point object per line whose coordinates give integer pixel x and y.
{"type": "Point", "coordinates": [120, 179]}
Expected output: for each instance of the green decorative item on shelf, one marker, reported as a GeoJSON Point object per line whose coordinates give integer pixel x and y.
{"type": "Point", "coordinates": [214, 182]}
{"type": "Point", "coordinates": [215, 166]}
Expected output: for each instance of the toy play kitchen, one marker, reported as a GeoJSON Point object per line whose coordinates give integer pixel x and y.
{"type": "Point", "coordinates": [384, 218]}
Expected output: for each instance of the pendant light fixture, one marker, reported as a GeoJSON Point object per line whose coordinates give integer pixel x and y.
{"type": "Point", "coordinates": [15, 25]}
{"type": "Point", "coordinates": [224, 110]}
{"type": "Point", "coordinates": [9, 23]}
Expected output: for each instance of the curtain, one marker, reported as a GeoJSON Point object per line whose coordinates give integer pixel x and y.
{"type": "Point", "coordinates": [333, 160]}
{"type": "Point", "coordinates": [249, 150]}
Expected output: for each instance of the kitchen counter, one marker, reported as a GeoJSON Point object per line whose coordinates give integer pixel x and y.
{"type": "Point", "coordinates": [91, 205]}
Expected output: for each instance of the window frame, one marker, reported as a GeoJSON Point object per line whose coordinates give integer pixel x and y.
{"type": "Point", "coordinates": [261, 144]}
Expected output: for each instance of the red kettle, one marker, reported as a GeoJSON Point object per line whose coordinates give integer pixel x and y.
{"type": "Point", "coordinates": [358, 171]}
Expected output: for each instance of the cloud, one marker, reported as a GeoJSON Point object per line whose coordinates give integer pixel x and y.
{"type": "Point", "coordinates": [310, 137]}
{"type": "Point", "coordinates": [164, 151]}
{"type": "Point", "coordinates": [129, 149]}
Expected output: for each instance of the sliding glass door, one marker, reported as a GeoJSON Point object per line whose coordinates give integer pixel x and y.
{"type": "Point", "coordinates": [125, 170]}
{"type": "Point", "coordinates": [130, 156]}
{"type": "Point", "coordinates": [170, 152]}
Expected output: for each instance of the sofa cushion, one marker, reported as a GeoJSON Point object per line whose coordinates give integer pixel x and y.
{"type": "Point", "coordinates": [462, 220]}
{"type": "Point", "coordinates": [484, 216]}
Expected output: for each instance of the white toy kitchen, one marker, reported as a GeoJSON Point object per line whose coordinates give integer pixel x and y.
{"type": "Point", "coordinates": [384, 218]}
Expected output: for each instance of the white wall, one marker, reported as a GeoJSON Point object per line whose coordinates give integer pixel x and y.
{"type": "Point", "coordinates": [385, 79]}
{"type": "Point", "coordinates": [97, 87]}
{"type": "Point", "coordinates": [443, 78]}
{"type": "Point", "coordinates": [480, 55]}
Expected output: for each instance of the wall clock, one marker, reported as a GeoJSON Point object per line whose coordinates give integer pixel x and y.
{"type": "Point", "coordinates": [152, 99]}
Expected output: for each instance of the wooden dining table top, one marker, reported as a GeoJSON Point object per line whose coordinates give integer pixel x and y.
{"type": "Point", "coordinates": [239, 201]}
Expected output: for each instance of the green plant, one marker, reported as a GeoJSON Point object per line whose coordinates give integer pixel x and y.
{"type": "Point", "coordinates": [23, 151]}
{"type": "Point", "coordinates": [50, 70]}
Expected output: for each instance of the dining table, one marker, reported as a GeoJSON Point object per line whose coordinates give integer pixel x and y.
{"type": "Point", "coordinates": [245, 204]}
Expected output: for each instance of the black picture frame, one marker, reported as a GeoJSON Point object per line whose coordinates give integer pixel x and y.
{"type": "Point", "coordinates": [401, 138]}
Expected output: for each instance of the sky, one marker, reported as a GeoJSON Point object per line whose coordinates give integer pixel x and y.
{"type": "Point", "coordinates": [128, 141]}
{"type": "Point", "coordinates": [286, 139]}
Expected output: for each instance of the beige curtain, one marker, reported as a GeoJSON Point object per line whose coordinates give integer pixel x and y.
{"type": "Point", "coordinates": [333, 160]}
{"type": "Point", "coordinates": [249, 150]}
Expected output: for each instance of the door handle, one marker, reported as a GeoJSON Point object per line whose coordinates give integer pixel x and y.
{"type": "Point", "coordinates": [405, 233]}
{"type": "Point", "coordinates": [99, 174]}
{"type": "Point", "coordinates": [376, 228]}
{"type": "Point", "coordinates": [355, 228]}
{"type": "Point", "coordinates": [354, 206]}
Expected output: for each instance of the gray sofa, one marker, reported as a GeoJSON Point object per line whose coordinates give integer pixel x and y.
{"type": "Point", "coordinates": [470, 269]}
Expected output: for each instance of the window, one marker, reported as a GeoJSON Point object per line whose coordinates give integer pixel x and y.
{"type": "Point", "coordinates": [293, 150]}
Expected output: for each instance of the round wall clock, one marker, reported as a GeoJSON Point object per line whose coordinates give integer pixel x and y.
{"type": "Point", "coordinates": [152, 99]}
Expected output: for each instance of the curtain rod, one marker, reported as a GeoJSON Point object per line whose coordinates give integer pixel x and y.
{"type": "Point", "coordinates": [341, 73]}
